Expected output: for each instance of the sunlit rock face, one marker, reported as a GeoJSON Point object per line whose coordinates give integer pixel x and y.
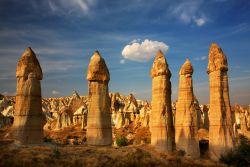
{"type": "Point", "coordinates": [28, 117]}
{"type": "Point", "coordinates": [186, 122]}
{"type": "Point", "coordinates": [99, 131]}
{"type": "Point", "coordinates": [220, 124]}
{"type": "Point", "coordinates": [161, 119]}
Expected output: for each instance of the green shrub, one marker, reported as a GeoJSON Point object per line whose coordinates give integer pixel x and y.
{"type": "Point", "coordinates": [122, 141]}
{"type": "Point", "coordinates": [240, 156]}
{"type": "Point", "coordinates": [56, 153]}
{"type": "Point", "coordinates": [47, 139]}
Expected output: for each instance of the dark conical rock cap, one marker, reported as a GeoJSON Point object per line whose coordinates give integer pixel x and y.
{"type": "Point", "coordinates": [160, 66]}
{"type": "Point", "coordinates": [186, 68]}
{"type": "Point", "coordinates": [97, 69]}
{"type": "Point", "coordinates": [28, 64]}
{"type": "Point", "coordinates": [216, 59]}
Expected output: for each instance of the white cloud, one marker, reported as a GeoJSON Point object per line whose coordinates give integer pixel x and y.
{"type": "Point", "coordinates": [200, 58]}
{"type": "Point", "coordinates": [70, 6]}
{"type": "Point", "coordinates": [135, 41]}
{"type": "Point", "coordinates": [200, 22]}
{"type": "Point", "coordinates": [122, 61]}
{"type": "Point", "coordinates": [189, 12]}
{"type": "Point", "coordinates": [144, 51]}
{"type": "Point", "coordinates": [54, 92]}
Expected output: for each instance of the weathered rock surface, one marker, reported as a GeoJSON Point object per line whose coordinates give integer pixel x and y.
{"type": "Point", "coordinates": [220, 128]}
{"type": "Point", "coordinates": [99, 131]}
{"type": "Point", "coordinates": [28, 117]}
{"type": "Point", "coordinates": [161, 119]}
{"type": "Point", "coordinates": [186, 122]}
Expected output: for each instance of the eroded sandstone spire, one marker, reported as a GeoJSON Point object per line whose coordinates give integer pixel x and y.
{"type": "Point", "coordinates": [161, 119]}
{"type": "Point", "coordinates": [220, 125]}
{"type": "Point", "coordinates": [28, 118]}
{"type": "Point", "coordinates": [186, 116]}
{"type": "Point", "coordinates": [99, 131]}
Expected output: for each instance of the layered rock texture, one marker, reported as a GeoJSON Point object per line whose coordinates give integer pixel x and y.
{"type": "Point", "coordinates": [99, 131]}
{"type": "Point", "coordinates": [28, 117]}
{"type": "Point", "coordinates": [220, 124]}
{"type": "Point", "coordinates": [161, 119]}
{"type": "Point", "coordinates": [186, 122]}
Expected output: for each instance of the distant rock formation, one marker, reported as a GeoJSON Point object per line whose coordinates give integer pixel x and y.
{"type": "Point", "coordinates": [120, 120]}
{"type": "Point", "coordinates": [64, 118]}
{"type": "Point", "coordinates": [186, 123]}
{"type": "Point", "coordinates": [99, 131]}
{"type": "Point", "coordinates": [161, 119]}
{"type": "Point", "coordinates": [28, 117]}
{"type": "Point", "coordinates": [220, 128]}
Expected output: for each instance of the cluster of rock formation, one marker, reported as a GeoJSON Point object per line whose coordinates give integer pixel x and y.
{"type": "Point", "coordinates": [128, 110]}
{"type": "Point", "coordinates": [177, 125]}
{"type": "Point", "coordinates": [6, 111]}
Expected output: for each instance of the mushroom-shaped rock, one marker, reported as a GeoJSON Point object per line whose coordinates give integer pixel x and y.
{"type": "Point", "coordinates": [216, 59]}
{"type": "Point", "coordinates": [161, 119]}
{"type": "Point", "coordinates": [28, 118]}
{"type": "Point", "coordinates": [27, 64]}
{"type": "Point", "coordinates": [97, 69]}
{"type": "Point", "coordinates": [160, 66]}
{"type": "Point", "coordinates": [186, 68]}
{"type": "Point", "coordinates": [99, 130]}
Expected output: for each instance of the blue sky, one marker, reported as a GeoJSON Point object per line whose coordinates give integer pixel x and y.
{"type": "Point", "coordinates": [64, 34]}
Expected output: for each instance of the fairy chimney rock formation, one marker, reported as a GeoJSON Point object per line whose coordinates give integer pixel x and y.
{"type": "Point", "coordinates": [28, 118]}
{"type": "Point", "coordinates": [220, 125]}
{"type": "Point", "coordinates": [186, 116]}
{"type": "Point", "coordinates": [99, 131]}
{"type": "Point", "coordinates": [161, 119]}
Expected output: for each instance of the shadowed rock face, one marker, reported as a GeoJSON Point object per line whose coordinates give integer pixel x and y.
{"type": "Point", "coordinates": [28, 117]}
{"type": "Point", "coordinates": [161, 119]}
{"type": "Point", "coordinates": [99, 131]}
{"type": "Point", "coordinates": [220, 129]}
{"type": "Point", "coordinates": [186, 116]}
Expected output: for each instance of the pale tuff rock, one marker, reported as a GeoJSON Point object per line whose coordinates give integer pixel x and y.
{"type": "Point", "coordinates": [220, 128]}
{"type": "Point", "coordinates": [240, 117]}
{"type": "Point", "coordinates": [198, 112]}
{"type": "Point", "coordinates": [120, 120]}
{"type": "Point", "coordinates": [97, 69]}
{"type": "Point", "coordinates": [6, 111]}
{"type": "Point", "coordinates": [28, 118]}
{"type": "Point", "coordinates": [80, 116]}
{"type": "Point", "coordinates": [65, 118]}
{"type": "Point", "coordinates": [161, 119]}
{"type": "Point", "coordinates": [130, 109]}
{"type": "Point", "coordinates": [204, 117]}
{"type": "Point", "coordinates": [99, 131]}
{"type": "Point", "coordinates": [186, 123]}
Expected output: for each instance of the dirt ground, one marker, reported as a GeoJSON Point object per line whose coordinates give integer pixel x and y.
{"type": "Point", "coordinates": [67, 147]}
{"type": "Point", "coordinates": [144, 155]}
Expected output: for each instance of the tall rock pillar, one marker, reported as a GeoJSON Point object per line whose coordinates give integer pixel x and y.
{"type": "Point", "coordinates": [220, 124]}
{"type": "Point", "coordinates": [99, 130]}
{"type": "Point", "coordinates": [186, 117]}
{"type": "Point", "coordinates": [28, 118]}
{"type": "Point", "coordinates": [161, 118]}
